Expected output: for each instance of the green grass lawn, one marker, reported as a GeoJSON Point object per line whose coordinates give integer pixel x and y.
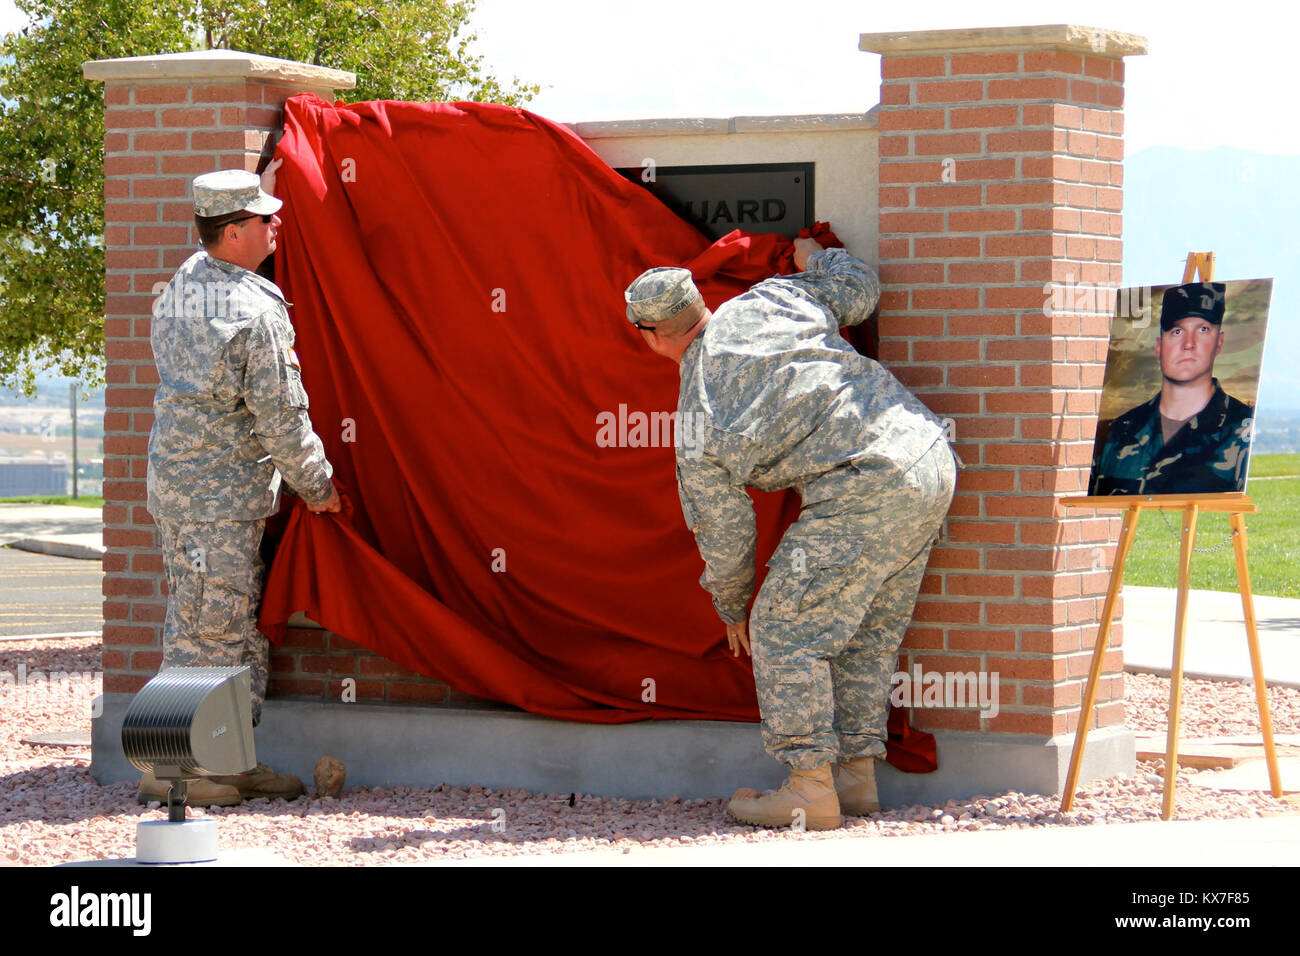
{"type": "Point", "coordinates": [1273, 535]}
{"type": "Point", "coordinates": [83, 501]}
{"type": "Point", "coordinates": [1264, 466]}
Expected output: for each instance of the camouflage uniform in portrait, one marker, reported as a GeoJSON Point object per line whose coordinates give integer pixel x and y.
{"type": "Point", "coordinates": [776, 398]}
{"type": "Point", "coordinates": [1208, 454]}
{"type": "Point", "coordinates": [230, 419]}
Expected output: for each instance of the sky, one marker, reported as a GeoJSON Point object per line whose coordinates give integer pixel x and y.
{"type": "Point", "coordinates": [1209, 79]}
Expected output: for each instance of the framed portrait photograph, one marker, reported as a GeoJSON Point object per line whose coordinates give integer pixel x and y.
{"type": "Point", "coordinates": [1178, 399]}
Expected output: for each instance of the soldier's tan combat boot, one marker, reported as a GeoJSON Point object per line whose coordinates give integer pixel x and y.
{"type": "Point", "coordinates": [200, 793]}
{"type": "Point", "coordinates": [855, 782]}
{"type": "Point", "coordinates": [264, 782]}
{"type": "Point", "coordinates": [807, 799]}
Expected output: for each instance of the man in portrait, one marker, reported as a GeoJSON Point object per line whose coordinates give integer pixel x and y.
{"type": "Point", "coordinates": [1191, 436]}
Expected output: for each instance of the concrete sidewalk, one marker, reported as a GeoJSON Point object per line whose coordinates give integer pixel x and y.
{"type": "Point", "coordinates": [1271, 841]}
{"type": "Point", "coordinates": [1215, 646]}
{"type": "Point", "coordinates": [63, 530]}
{"type": "Point", "coordinates": [1267, 841]}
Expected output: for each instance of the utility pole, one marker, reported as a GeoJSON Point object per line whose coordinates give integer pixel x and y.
{"type": "Point", "coordinates": [73, 389]}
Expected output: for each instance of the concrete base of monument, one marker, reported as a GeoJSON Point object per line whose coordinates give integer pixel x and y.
{"type": "Point", "coordinates": [409, 745]}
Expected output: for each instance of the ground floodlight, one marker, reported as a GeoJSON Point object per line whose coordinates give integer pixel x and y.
{"type": "Point", "coordinates": [187, 723]}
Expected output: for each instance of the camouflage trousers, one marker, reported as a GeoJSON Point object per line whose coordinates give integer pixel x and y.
{"type": "Point", "coordinates": [214, 582]}
{"type": "Point", "coordinates": [831, 614]}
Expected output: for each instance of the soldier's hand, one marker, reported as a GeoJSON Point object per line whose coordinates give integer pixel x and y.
{"type": "Point", "coordinates": [268, 176]}
{"type": "Point", "coordinates": [738, 637]}
{"type": "Point", "coordinates": [803, 248]}
{"type": "Point", "coordinates": [333, 504]}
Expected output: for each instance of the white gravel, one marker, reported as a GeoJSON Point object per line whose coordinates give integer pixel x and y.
{"type": "Point", "coordinates": [51, 810]}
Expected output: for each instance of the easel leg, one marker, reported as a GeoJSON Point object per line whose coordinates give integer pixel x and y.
{"type": "Point", "coordinates": [1098, 654]}
{"type": "Point", "coordinates": [1252, 639]}
{"type": "Point", "coordinates": [1176, 675]}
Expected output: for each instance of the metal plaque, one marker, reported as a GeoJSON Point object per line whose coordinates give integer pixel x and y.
{"type": "Point", "coordinates": [755, 197]}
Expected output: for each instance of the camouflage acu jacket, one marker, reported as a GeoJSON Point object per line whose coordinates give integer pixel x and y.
{"type": "Point", "coordinates": [230, 414]}
{"type": "Point", "coordinates": [773, 397]}
{"type": "Point", "coordinates": [1208, 454]}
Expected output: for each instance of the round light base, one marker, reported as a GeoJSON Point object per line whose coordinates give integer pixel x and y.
{"type": "Point", "coordinates": [161, 841]}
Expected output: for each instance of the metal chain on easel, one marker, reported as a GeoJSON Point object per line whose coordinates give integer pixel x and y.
{"type": "Point", "coordinates": [1177, 534]}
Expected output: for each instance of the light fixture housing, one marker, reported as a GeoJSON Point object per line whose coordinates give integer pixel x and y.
{"type": "Point", "coordinates": [187, 723]}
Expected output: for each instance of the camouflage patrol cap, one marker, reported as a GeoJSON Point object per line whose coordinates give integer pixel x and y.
{"type": "Point", "coordinates": [231, 190]}
{"type": "Point", "coordinates": [1202, 299]}
{"type": "Point", "coordinates": [658, 294]}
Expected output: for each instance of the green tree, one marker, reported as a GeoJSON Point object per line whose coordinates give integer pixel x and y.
{"type": "Point", "coordinates": [52, 130]}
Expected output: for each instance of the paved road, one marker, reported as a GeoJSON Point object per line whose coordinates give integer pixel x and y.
{"type": "Point", "coordinates": [42, 594]}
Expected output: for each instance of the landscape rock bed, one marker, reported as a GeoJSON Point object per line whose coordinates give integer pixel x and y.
{"type": "Point", "coordinates": [52, 811]}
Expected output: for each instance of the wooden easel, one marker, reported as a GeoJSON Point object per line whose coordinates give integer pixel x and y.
{"type": "Point", "coordinates": [1236, 504]}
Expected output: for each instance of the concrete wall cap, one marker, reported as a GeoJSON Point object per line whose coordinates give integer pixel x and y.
{"type": "Point", "coordinates": [1059, 36]}
{"type": "Point", "coordinates": [815, 122]}
{"type": "Point", "coordinates": [218, 65]}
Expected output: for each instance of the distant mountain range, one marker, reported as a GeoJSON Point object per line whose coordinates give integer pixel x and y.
{"type": "Point", "coordinates": [1245, 207]}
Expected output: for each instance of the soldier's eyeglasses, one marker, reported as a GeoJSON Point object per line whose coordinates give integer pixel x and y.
{"type": "Point", "coordinates": [265, 218]}
{"type": "Point", "coordinates": [645, 328]}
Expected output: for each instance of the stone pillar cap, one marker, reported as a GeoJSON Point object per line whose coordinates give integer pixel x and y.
{"type": "Point", "coordinates": [1060, 36]}
{"type": "Point", "coordinates": [218, 65]}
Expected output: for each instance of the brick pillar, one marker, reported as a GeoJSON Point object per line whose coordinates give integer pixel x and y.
{"type": "Point", "coordinates": [1001, 175]}
{"type": "Point", "coordinates": [167, 119]}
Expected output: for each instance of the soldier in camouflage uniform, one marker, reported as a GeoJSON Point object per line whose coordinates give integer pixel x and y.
{"type": "Point", "coordinates": [1191, 436]}
{"type": "Point", "coordinates": [773, 397]}
{"type": "Point", "coordinates": [230, 420]}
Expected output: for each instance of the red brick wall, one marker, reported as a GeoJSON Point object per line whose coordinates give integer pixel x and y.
{"type": "Point", "coordinates": [315, 663]}
{"type": "Point", "coordinates": [1000, 173]}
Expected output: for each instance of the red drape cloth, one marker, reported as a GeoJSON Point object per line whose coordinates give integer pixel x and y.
{"type": "Point", "coordinates": [456, 274]}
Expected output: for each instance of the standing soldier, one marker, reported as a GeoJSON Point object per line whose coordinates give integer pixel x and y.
{"type": "Point", "coordinates": [778, 399]}
{"type": "Point", "coordinates": [230, 419]}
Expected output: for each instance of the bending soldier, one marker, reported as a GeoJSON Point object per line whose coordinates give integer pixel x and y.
{"type": "Point", "coordinates": [781, 400]}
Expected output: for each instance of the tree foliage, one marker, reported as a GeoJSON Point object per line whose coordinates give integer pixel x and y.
{"type": "Point", "coordinates": [52, 130]}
